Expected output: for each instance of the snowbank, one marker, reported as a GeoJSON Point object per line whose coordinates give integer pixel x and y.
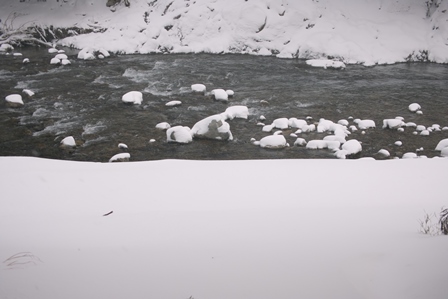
{"type": "Point", "coordinates": [368, 32]}
{"type": "Point", "coordinates": [239, 229]}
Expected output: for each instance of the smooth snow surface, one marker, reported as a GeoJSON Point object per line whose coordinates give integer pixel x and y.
{"type": "Point", "coordinates": [350, 31]}
{"type": "Point", "coordinates": [236, 229]}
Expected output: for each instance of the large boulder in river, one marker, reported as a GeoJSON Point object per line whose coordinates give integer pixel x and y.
{"type": "Point", "coordinates": [212, 127]}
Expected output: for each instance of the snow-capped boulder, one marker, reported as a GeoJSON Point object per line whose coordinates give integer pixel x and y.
{"type": "Point", "coordinates": [163, 126]}
{"type": "Point", "coordinates": [26, 60]}
{"type": "Point", "coordinates": [68, 141]}
{"type": "Point", "coordinates": [236, 112]}
{"type": "Point", "coordinates": [122, 157]}
{"type": "Point", "coordinates": [326, 63]}
{"type": "Point", "coordinates": [364, 124]}
{"type": "Point", "coordinates": [281, 123]}
{"type": "Point", "coordinates": [28, 92]}
{"type": "Point", "coordinates": [173, 103]}
{"type": "Point", "coordinates": [352, 147]}
{"type": "Point", "coordinates": [424, 133]}
{"type": "Point", "coordinates": [212, 127]}
{"type": "Point", "coordinates": [444, 152]}
{"type": "Point", "coordinates": [52, 50]}
{"type": "Point", "coordinates": [61, 56]}
{"type": "Point", "coordinates": [6, 47]}
{"type": "Point", "coordinates": [297, 123]}
{"type": "Point", "coordinates": [230, 92]}
{"type": "Point", "coordinates": [300, 142]}
{"type": "Point", "coordinates": [220, 94]}
{"type": "Point", "coordinates": [65, 62]}
{"type": "Point", "coordinates": [420, 128]}
{"type": "Point", "coordinates": [198, 88]}
{"type": "Point", "coordinates": [90, 53]}
{"type": "Point", "coordinates": [398, 143]}
{"type": "Point", "coordinates": [14, 100]}
{"type": "Point", "coordinates": [179, 134]}
{"type": "Point", "coordinates": [393, 123]}
{"type": "Point", "coordinates": [55, 60]}
{"type": "Point", "coordinates": [322, 144]}
{"type": "Point", "coordinates": [414, 107]}
{"type": "Point", "coordinates": [122, 146]}
{"type": "Point", "coordinates": [442, 144]}
{"type": "Point", "coordinates": [273, 142]}
{"type": "Point", "coordinates": [132, 97]}
{"type": "Point", "coordinates": [267, 128]}
{"type": "Point", "coordinates": [409, 155]}
{"type": "Point", "coordinates": [382, 154]}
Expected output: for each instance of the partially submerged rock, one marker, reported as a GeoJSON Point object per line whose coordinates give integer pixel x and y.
{"type": "Point", "coordinates": [212, 127]}
{"type": "Point", "coordinates": [14, 100]}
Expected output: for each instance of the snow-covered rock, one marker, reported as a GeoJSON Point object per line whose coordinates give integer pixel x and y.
{"type": "Point", "coordinates": [90, 53]}
{"type": "Point", "coordinates": [198, 88]}
{"type": "Point", "coordinates": [6, 47]}
{"type": "Point", "coordinates": [52, 50]}
{"type": "Point", "coordinates": [55, 60]}
{"type": "Point", "coordinates": [323, 144]}
{"type": "Point", "coordinates": [236, 112]}
{"type": "Point", "coordinates": [122, 146]}
{"type": "Point", "coordinates": [212, 127]}
{"type": "Point", "coordinates": [414, 107]}
{"type": "Point", "coordinates": [132, 97]}
{"type": "Point", "coordinates": [122, 157]}
{"type": "Point", "coordinates": [297, 123]}
{"type": "Point", "coordinates": [163, 126]}
{"type": "Point", "coordinates": [326, 63]}
{"type": "Point", "coordinates": [230, 92]}
{"type": "Point", "coordinates": [61, 56]}
{"type": "Point", "coordinates": [409, 155]}
{"type": "Point", "coordinates": [28, 92]}
{"type": "Point", "coordinates": [398, 143]}
{"type": "Point", "coordinates": [352, 147]}
{"type": "Point", "coordinates": [393, 123]}
{"type": "Point", "coordinates": [179, 134]}
{"type": "Point", "coordinates": [273, 142]}
{"type": "Point", "coordinates": [383, 154]}
{"type": "Point", "coordinates": [424, 133]}
{"type": "Point", "coordinates": [444, 152]}
{"type": "Point", "coordinates": [281, 123]}
{"type": "Point", "coordinates": [173, 103]}
{"type": "Point", "coordinates": [300, 142]}
{"type": "Point", "coordinates": [65, 62]}
{"type": "Point", "coordinates": [364, 124]}
{"type": "Point", "coordinates": [68, 141]}
{"type": "Point", "coordinates": [14, 100]}
{"type": "Point", "coordinates": [442, 144]}
{"type": "Point", "coordinates": [220, 94]}
{"type": "Point", "coordinates": [26, 60]}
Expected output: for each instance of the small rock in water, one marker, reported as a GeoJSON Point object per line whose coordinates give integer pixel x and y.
{"type": "Point", "coordinates": [122, 146]}
{"type": "Point", "coordinates": [198, 88]}
{"type": "Point", "coordinates": [163, 126]}
{"type": "Point", "coordinates": [68, 142]}
{"type": "Point", "coordinates": [55, 61]}
{"type": "Point", "coordinates": [230, 93]}
{"type": "Point", "coordinates": [382, 154]}
{"type": "Point", "coordinates": [398, 143]}
{"type": "Point", "coordinates": [409, 156]}
{"type": "Point", "coordinates": [419, 112]}
{"type": "Point", "coordinates": [220, 94]}
{"type": "Point", "coordinates": [28, 92]}
{"type": "Point", "coordinates": [26, 60]}
{"type": "Point", "coordinates": [173, 103]}
{"type": "Point", "coordinates": [414, 107]}
{"type": "Point", "coordinates": [132, 97]}
{"type": "Point", "coordinates": [152, 140]}
{"type": "Point", "coordinates": [424, 133]}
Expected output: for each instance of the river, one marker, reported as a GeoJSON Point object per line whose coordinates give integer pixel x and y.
{"type": "Point", "coordinates": [83, 100]}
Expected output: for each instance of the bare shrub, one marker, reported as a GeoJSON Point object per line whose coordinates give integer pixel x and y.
{"type": "Point", "coordinates": [443, 221]}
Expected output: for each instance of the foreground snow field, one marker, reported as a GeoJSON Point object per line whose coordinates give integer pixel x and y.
{"type": "Point", "coordinates": [353, 31]}
{"type": "Point", "coordinates": [234, 229]}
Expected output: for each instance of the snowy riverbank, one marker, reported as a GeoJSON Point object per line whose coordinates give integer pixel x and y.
{"type": "Point", "coordinates": [241, 229]}
{"type": "Point", "coordinates": [367, 32]}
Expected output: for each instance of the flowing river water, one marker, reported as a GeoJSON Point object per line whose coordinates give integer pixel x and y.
{"type": "Point", "coordinates": [83, 100]}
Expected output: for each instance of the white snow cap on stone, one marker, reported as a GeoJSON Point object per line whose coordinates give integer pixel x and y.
{"type": "Point", "coordinates": [384, 152]}
{"type": "Point", "coordinates": [179, 134]}
{"type": "Point", "coordinates": [326, 63]}
{"type": "Point", "coordinates": [300, 142]}
{"type": "Point", "coordinates": [120, 157]}
{"type": "Point", "coordinates": [273, 141]}
{"type": "Point", "coordinates": [55, 61]}
{"type": "Point", "coordinates": [236, 112]}
{"type": "Point", "coordinates": [230, 92]}
{"type": "Point", "coordinates": [442, 144]}
{"type": "Point", "coordinates": [163, 126]}
{"type": "Point", "coordinates": [409, 155]}
{"type": "Point", "coordinates": [14, 99]}
{"type": "Point", "coordinates": [297, 123]}
{"type": "Point", "coordinates": [173, 103]}
{"type": "Point", "coordinates": [322, 144]}
{"type": "Point", "coordinates": [220, 94]}
{"type": "Point", "coordinates": [281, 123]}
{"type": "Point", "coordinates": [133, 97]}
{"type": "Point", "coordinates": [364, 124]}
{"type": "Point", "coordinates": [198, 87]}
{"type": "Point", "coordinates": [6, 47]}
{"type": "Point", "coordinates": [212, 127]}
{"type": "Point", "coordinates": [68, 141]}
{"type": "Point", "coordinates": [352, 147]}
{"type": "Point", "coordinates": [88, 53]}
{"type": "Point", "coordinates": [393, 123]}
{"type": "Point", "coordinates": [28, 92]}
{"type": "Point", "coordinates": [414, 107]}
{"type": "Point", "coordinates": [122, 145]}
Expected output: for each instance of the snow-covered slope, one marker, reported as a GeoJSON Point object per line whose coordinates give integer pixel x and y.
{"type": "Point", "coordinates": [366, 31]}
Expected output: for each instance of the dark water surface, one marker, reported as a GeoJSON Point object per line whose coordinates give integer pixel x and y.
{"type": "Point", "coordinates": [83, 100]}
